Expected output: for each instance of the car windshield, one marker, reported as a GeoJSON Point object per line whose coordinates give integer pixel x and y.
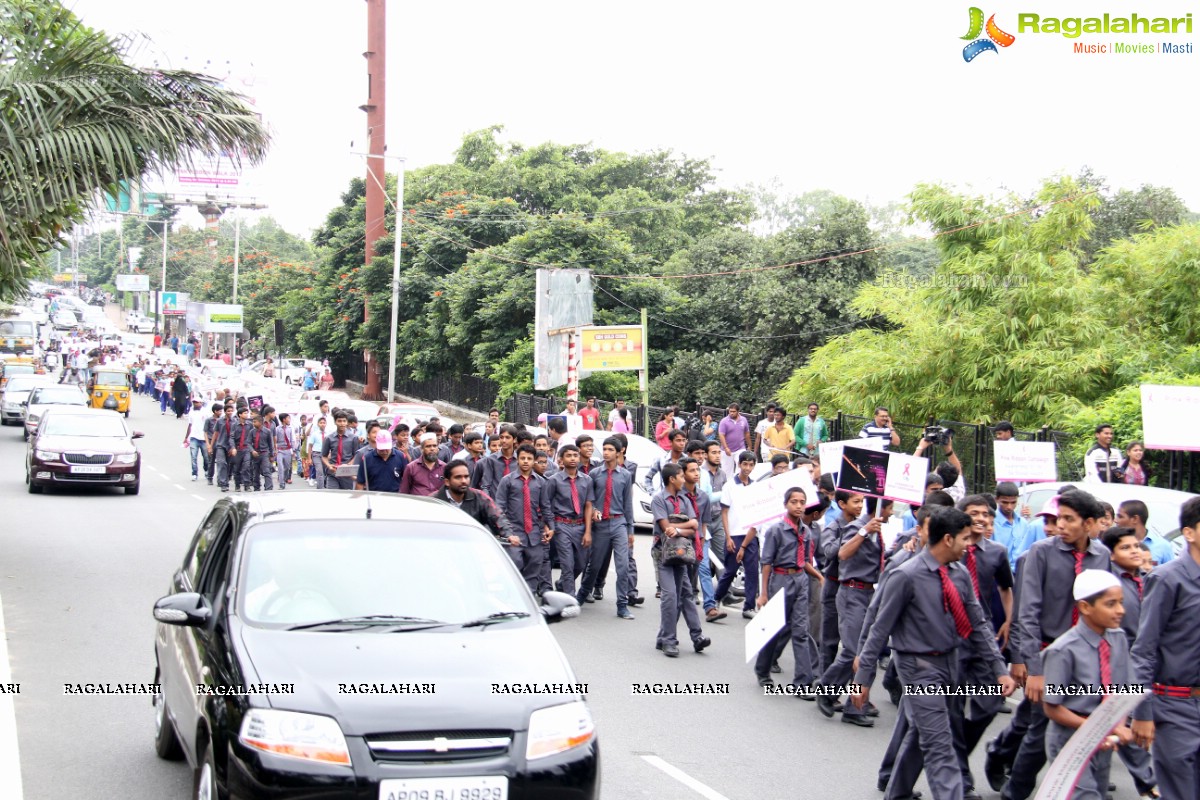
{"type": "Point", "coordinates": [55, 395]}
{"type": "Point", "coordinates": [99, 425]}
{"type": "Point", "coordinates": [16, 328]}
{"type": "Point", "coordinates": [111, 379]}
{"type": "Point", "coordinates": [19, 369]}
{"type": "Point", "coordinates": [296, 573]}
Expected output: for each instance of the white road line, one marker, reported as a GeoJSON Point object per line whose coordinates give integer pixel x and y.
{"type": "Point", "coordinates": [10, 758]}
{"type": "Point", "coordinates": [180, 488]}
{"type": "Point", "coordinates": [198, 497]}
{"type": "Point", "coordinates": [152, 467]}
{"type": "Point", "coordinates": [164, 477]}
{"type": "Point", "coordinates": [687, 780]}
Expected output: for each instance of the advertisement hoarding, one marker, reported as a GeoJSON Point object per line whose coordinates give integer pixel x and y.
{"type": "Point", "coordinates": [133, 283]}
{"type": "Point", "coordinates": [612, 347]}
{"type": "Point", "coordinates": [173, 304]}
{"type": "Point", "coordinates": [214, 318]}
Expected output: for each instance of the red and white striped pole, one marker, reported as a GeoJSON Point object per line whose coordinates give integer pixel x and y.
{"type": "Point", "coordinates": [572, 368]}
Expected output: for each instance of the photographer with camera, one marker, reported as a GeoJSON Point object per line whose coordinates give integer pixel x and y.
{"type": "Point", "coordinates": [951, 468]}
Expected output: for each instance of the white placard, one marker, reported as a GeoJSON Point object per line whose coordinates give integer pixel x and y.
{"type": "Point", "coordinates": [1024, 461]}
{"type": "Point", "coordinates": [766, 623]}
{"type": "Point", "coordinates": [1060, 780]}
{"type": "Point", "coordinates": [905, 481]}
{"type": "Point", "coordinates": [831, 452]}
{"type": "Point", "coordinates": [1169, 417]}
{"type": "Point", "coordinates": [760, 504]}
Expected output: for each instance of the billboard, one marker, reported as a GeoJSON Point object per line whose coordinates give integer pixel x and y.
{"type": "Point", "coordinates": [173, 304]}
{"type": "Point", "coordinates": [214, 318]}
{"type": "Point", "coordinates": [133, 283]}
{"type": "Point", "coordinates": [563, 303]}
{"type": "Point", "coordinates": [612, 347]}
{"type": "Point", "coordinates": [1168, 415]}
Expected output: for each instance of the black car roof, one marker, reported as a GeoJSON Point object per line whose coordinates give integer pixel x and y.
{"type": "Point", "coordinates": [342, 505]}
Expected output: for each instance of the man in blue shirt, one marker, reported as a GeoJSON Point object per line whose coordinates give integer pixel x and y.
{"type": "Point", "coordinates": [1010, 527]}
{"type": "Point", "coordinates": [380, 469]}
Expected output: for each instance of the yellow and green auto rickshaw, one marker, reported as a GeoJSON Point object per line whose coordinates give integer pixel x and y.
{"type": "Point", "coordinates": [110, 388]}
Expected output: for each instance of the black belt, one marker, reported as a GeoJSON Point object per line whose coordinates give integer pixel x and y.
{"type": "Point", "coordinates": [612, 516]}
{"type": "Point", "coordinates": [853, 584]}
{"type": "Point", "coordinates": [929, 654]}
{"type": "Point", "coordinates": [566, 521]}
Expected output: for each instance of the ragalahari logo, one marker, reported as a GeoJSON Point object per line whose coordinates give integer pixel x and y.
{"type": "Point", "coordinates": [995, 36]}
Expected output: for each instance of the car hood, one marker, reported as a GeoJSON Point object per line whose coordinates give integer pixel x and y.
{"type": "Point", "coordinates": [86, 444]}
{"type": "Point", "coordinates": [461, 664]}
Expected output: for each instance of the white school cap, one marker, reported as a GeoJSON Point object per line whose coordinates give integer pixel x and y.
{"type": "Point", "coordinates": [1092, 582]}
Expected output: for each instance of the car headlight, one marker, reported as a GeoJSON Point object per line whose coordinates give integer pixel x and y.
{"type": "Point", "coordinates": [559, 728]}
{"type": "Point", "coordinates": [126, 458]}
{"type": "Point", "coordinates": [46, 455]}
{"type": "Point", "coordinates": [290, 733]}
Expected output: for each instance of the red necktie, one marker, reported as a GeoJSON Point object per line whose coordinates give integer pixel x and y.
{"type": "Point", "coordinates": [1078, 569]}
{"type": "Point", "coordinates": [506, 461]}
{"type": "Point", "coordinates": [256, 435]}
{"type": "Point", "coordinates": [800, 546]}
{"type": "Point", "coordinates": [608, 476]}
{"type": "Point", "coordinates": [974, 570]}
{"type": "Point", "coordinates": [528, 505]}
{"type": "Point", "coordinates": [339, 461]}
{"type": "Point", "coordinates": [574, 497]}
{"type": "Point", "coordinates": [879, 541]}
{"type": "Point", "coordinates": [1137, 581]}
{"type": "Point", "coordinates": [242, 437]}
{"type": "Point", "coordinates": [952, 602]}
{"type": "Point", "coordinates": [287, 439]}
{"type": "Point", "coordinates": [227, 427]}
{"type": "Point", "coordinates": [1105, 666]}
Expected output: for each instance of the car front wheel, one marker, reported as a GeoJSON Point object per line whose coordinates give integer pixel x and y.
{"type": "Point", "coordinates": [206, 777]}
{"type": "Point", "coordinates": [166, 743]}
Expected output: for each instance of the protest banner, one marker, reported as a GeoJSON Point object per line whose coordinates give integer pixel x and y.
{"type": "Point", "coordinates": [1060, 780]}
{"type": "Point", "coordinates": [1025, 462]}
{"type": "Point", "coordinates": [765, 624]}
{"type": "Point", "coordinates": [831, 452]}
{"type": "Point", "coordinates": [894, 476]}
{"type": "Point", "coordinates": [760, 504]}
{"type": "Point", "coordinates": [1168, 416]}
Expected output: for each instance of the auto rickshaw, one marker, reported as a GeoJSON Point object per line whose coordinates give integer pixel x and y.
{"type": "Point", "coordinates": [18, 366]}
{"type": "Point", "coordinates": [110, 388]}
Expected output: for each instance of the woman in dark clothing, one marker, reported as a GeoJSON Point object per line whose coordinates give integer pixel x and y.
{"type": "Point", "coordinates": [179, 395]}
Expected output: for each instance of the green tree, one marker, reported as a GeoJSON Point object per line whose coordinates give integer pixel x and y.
{"type": "Point", "coordinates": [78, 119]}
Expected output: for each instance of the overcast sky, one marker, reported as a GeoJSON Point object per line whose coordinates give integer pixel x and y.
{"type": "Point", "coordinates": [865, 98]}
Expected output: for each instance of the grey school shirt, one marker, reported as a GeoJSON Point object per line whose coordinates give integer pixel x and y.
{"type": "Point", "coordinates": [1073, 660]}
{"type": "Point", "coordinates": [1134, 586]}
{"type": "Point", "coordinates": [1047, 579]}
{"type": "Point", "coordinates": [787, 546]}
{"type": "Point", "coordinates": [1167, 649]}
{"type": "Point", "coordinates": [911, 613]}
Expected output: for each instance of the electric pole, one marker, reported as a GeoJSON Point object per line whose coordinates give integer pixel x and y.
{"type": "Point", "coordinates": [376, 108]}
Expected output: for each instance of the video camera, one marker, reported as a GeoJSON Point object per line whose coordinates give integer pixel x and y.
{"type": "Point", "coordinates": [936, 434]}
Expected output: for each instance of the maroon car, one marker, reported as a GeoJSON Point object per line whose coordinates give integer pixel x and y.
{"type": "Point", "coordinates": [81, 446]}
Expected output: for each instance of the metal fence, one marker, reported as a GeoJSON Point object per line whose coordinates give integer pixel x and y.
{"type": "Point", "coordinates": [468, 391]}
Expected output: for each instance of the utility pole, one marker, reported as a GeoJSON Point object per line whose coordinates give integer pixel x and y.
{"type": "Point", "coordinates": [396, 284]}
{"type": "Point", "coordinates": [376, 108]}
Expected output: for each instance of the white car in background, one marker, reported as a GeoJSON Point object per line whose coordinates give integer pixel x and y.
{"type": "Point", "coordinates": [42, 397]}
{"type": "Point", "coordinates": [64, 319]}
{"type": "Point", "coordinates": [289, 370]}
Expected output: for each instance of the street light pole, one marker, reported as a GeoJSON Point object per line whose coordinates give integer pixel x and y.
{"type": "Point", "coordinates": [396, 283]}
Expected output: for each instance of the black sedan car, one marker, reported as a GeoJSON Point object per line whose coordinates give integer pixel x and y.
{"type": "Point", "coordinates": [82, 446]}
{"type": "Point", "coordinates": [369, 646]}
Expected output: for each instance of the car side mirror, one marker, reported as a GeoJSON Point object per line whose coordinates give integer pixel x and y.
{"type": "Point", "coordinates": [557, 606]}
{"type": "Point", "coordinates": [188, 609]}
{"type": "Point", "coordinates": [137, 435]}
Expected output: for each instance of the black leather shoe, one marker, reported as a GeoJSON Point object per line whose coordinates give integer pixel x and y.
{"type": "Point", "coordinates": [825, 706]}
{"type": "Point", "coordinates": [775, 668]}
{"type": "Point", "coordinates": [670, 651]}
{"type": "Point", "coordinates": [598, 594]}
{"type": "Point", "coordinates": [765, 681]}
{"type": "Point", "coordinates": [894, 693]}
{"type": "Point", "coordinates": [860, 720]}
{"type": "Point", "coordinates": [701, 643]}
{"type": "Point", "coordinates": [871, 710]}
{"type": "Point", "coordinates": [588, 599]}
{"type": "Point", "coordinates": [969, 793]}
{"type": "Point", "coordinates": [838, 706]}
{"type": "Point", "coordinates": [636, 599]}
{"type": "Point", "coordinates": [658, 645]}
{"type": "Point", "coordinates": [994, 770]}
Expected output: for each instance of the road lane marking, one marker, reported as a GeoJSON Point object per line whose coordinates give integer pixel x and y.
{"type": "Point", "coordinates": [687, 780]}
{"type": "Point", "coordinates": [198, 497]}
{"type": "Point", "coordinates": [164, 477]}
{"type": "Point", "coordinates": [10, 758]}
{"type": "Point", "coordinates": [180, 488]}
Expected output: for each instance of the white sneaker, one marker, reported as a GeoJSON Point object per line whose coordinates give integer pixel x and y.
{"type": "Point", "coordinates": [193, 477]}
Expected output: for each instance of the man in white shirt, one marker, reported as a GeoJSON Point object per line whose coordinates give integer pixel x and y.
{"type": "Point", "coordinates": [1102, 464]}
{"type": "Point", "coordinates": [768, 419]}
{"type": "Point", "coordinates": [193, 438]}
{"type": "Point", "coordinates": [615, 413]}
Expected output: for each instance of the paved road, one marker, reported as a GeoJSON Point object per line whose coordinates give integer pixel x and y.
{"type": "Point", "coordinates": [79, 572]}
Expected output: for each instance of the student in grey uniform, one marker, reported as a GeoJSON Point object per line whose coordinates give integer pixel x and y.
{"type": "Point", "coordinates": [675, 518]}
{"type": "Point", "coordinates": [210, 441]}
{"type": "Point", "coordinates": [567, 507]}
{"type": "Point", "coordinates": [1127, 563]}
{"type": "Point", "coordinates": [285, 448]}
{"type": "Point", "coordinates": [259, 461]}
{"type": "Point", "coordinates": [1166, 658]}
{"type": "Point", "coordinates": [519, 496]}
{"type": "Point", "coordinates": [929, 610]}
{"type": "Point", "coordinates": [787, 559]}
{"type": "Point", "coordinates": [612, 525]}
{"type": "Point", "coordinates": [1092, 654]}
{"type": "Point", "coordinates": [223, 447]}
{"type": "Point", "coordinates": [860, 554]}
{"type": "Point", "coordinates": [486, 476]}
{"type": "Point", "coordinates": [634, 598]}
{"type": "Point", "coordinates": [991, 576]}
{"type": "Point", "coordinates": [1048, 611]}
{"type": "Point", "coordinates": [337, 450]}
{"type": "Point", "coordinates": [239, 449]}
